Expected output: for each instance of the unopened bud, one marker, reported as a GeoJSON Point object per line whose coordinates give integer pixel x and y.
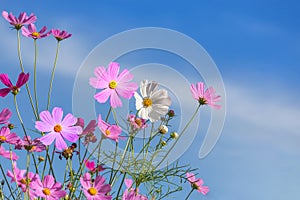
{"type": "Point", "coordinates": [171, 113]}
{"type": "Point", "coordinates": [174, 135]}
{"type": "Point", "coordinates": [11, 126]}
{"type": "Point", "coordinates": [41, 158]}
{"type": "Point", "coordinates": [163, 143]}
{"type": "Point", "coordinates": [163, 129]}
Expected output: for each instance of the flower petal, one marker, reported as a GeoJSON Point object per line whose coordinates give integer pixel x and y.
{"type": "Point", "coordinates": [113, 70]}
{"type": "Point", "coordinates": [57, 114]}
{"type": "Point", "coordinates": [102, 96]}
{"type": "Point", "coordinates": [48, 181]}
{"type": "Point", "coordinates": [60, 144]}
{"type": "Point", "coordinates": [5, 80]}
{"type": "Point", "coordinates": [48, 138]}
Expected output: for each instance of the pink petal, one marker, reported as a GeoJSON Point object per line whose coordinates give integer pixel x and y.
{"type": "Point", "coordinates": [115, 100]}
{"type": "Point", "coordinates": [60, 144]}
{"type": "Point", "coordinates": [124, 76]}
{"type": "Point", "coordinates": [57, 114]}
{"type": "Point", "coordinates": [5, 80]}
{"type": "Point", "coordinates": [43, 30]}
{"type": "Point", "coordinates": [72, 137]}
{"type": "Point", "coordinates": [126, 90]}
{"type": "Point", "coordinates": [26, 32]}
{"type": "Point", "coordinates": [113, 70]}
{"type": "Point", "coordinates": [48, 138]}
{"type": "Point", "coordinates": [4, 92]}
{"type": "Point", "coordinates": [31, 28]}
{"type": "Point", "coordinates": [128, 182]}
{"type": "Point", "coordinates": [48, 181]}
{"type": "Point", "coordinates": [5, 15]}
{"type": "Point", "coordinates": [69, 120]}
{"type": "Point", "coordinates": [102, 124]}
{"type": "Point", "coordinates": [22, 79]}
{"type": "Point", "coordinates": [102, 96]}
{"type": "Point", "coordinates": [98, 83]}
{"type": "Point", "coordinates": [101, 74]}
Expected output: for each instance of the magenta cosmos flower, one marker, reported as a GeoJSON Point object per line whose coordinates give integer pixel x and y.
{"type": "Point", "coordinates": [58, 128]}
{"type": "Point", "coordinates": [60, 35]}
{"type": "Point", "coordinates": [113, 85]}
{"type": "Point", "coordinates": [109, 131]}
{"type": "Point", "coordinates": [33, 33]}
{"type": "Point", "coordinates": [90, 165]}
{"type": "Point", "coordinates": [7, 154]}
{"type": "Point", "coordinates": [88, 131]}
{"type": "Point", "coordinates": [197, 183]}
{"type": "Point", "coordinates": [136, 122]}
{"type": "Point", "coordinates": [5, 115]}
{"type": "Point", "coordinates": [48, 189]}
{"type": "Point", "coordinates": [207, 96]}
{"type": "Point", "coordinates": [23, 19]}
{"type": "Point", "coordinates": [131, 193]}
{"type": "Point", "coordinates": [31, 145]}
{"type": "Point", "coordinates": [7, 137]}
{"type": "Point", "coordinates": [21, 177]}
{"type": "Point", "coordinates": [95, 190]}
{"type": "Point", "coordinates": [15, 89]}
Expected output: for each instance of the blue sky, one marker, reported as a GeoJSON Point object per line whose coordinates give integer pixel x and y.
{"type": "Point", "coordinates": [255, 46]}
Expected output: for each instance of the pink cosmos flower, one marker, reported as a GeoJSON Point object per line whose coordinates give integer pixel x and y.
{"type": "Point", "coordinates": [15, 89]}
{"type": "Point", "coordinates": [60, 35]}
{"type": "Point", "coordinates": [58, 128]}
{"type": "Point", "coordinates": [31, 145]}
{"type": "Point", "coordinates": [5, 115]}
{"type": "Point", "coordinates": [33, 33]}
{"type": "Point", "coordinates": [197, 183]}
{"type": "Point", "coordinates": [109, 131]}
{"type": "Point", "coordinates": [131, 193]}
{"type": "Point", "coordinates": [91, 166]}
{"type": "Point", "coordinates": [136, 122]}
{"type": "Point", "coordinates": [48, 189]}
{"type": "Point", "coordinates": [7, 154]}
{"type": "Point", "coordinates": [23, 19]}
{"type": "Point", "coordinates": [7, 137]}
{"type": "Point", "coordinates": [95, 190]}
{"type": "Point", "coordinates": [88, 131]}
{"type": "Point", "coordinates": [113, 85]}
{"type": "Point", "coordinates": [205, 97]}
{"type": "Point", "coordinates": [21, 177]}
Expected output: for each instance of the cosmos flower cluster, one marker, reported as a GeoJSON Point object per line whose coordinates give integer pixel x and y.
{"type": "Point", "coordinates": [58, 137]}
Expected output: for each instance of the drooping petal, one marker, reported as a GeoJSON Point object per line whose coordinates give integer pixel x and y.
{"type": "Point", "coordinates": [5, 80]}
{"type": "Point", "coordinates": [22, 79]}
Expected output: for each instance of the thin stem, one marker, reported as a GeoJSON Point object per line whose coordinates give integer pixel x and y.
{"type": "Point", "coordinates": [22, 68]}
{"type": "Point", "coordinates": [34, 77]}
{"type": "Point", "coordinates": [52, 75]}
{"type": "Point", "coordinates": [189, 194]}
{"type": "Point", "coordinates": [8, 184]}
{"type": "Point", "coordinates": [120, 187]}
{"type": "Point", "coordinates": [13, 170]}
{"type": "Point", "coordinates": [180, 134]}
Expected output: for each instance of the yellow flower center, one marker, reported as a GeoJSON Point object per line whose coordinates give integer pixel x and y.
{"type": "Point", "coordinates": [46, 191]}
{"type": "Point", "coordinates": [92, 191]}
{"type": "Point", "coordinates": [138, 122]}
{"type": "Point", "coordinates": [113, 84]}
{"type": "Point", "coordinates": [147, 102]}
{"type": "Point", "coordinates": [202, 101]}
{"type": "Point", "coordinates": [107, 132]}
{"type": "Point", "coordinates": [58, 128]}
{"type": "Point", "coordinates": [3, 138]}
{"type": "Point", "coordinates": [23, 181]}
{"type": "Point", "coordinates": [35, 34]}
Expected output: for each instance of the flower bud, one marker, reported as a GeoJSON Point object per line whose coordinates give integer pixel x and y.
{"type": "Point", "coordinates": [163, 129]}
{"type": "Point", "coordinates": [174, 135]}
{"type": "Point", "coordinates": [11, 126]}
{"type": "Point", "coordinates": [171, 113]}
{"type": "Point", "coordinates": [163, 143]}
{"type": "Point", "coordinates": [41, 159]}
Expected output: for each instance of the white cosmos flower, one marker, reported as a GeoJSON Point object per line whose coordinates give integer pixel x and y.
{"type": "Point", "coordinates": [153, 103]}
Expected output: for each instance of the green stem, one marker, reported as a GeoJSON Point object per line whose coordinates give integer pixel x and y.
{"type": "Point", "coordinates": [121, 184]}
{"type": "Point", "coordinates": [189, 194]}
{"type": "Point", "coordinates": [13, 170]}
{"type": "Point", "coordinates": [7, 183]}
{"type": "Point", "coordinates": [52, 75]}
{"type": "Point", "coordinates": [34, 77]}
{"type": "Point", "coordinates": [180, 135]}
{"type": "Point", "coordinates": [22, 68]}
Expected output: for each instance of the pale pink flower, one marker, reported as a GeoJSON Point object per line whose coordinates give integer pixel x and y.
{"type": "Point", "coordinates": [197, 183]}
{"type": "Point", "coordinates": [131, 193]}
{"type": "Point", "coordinates": [113, 85]}
{"type": "Point", "coordinates": [60, 35]}
{"type": "Point", "coordinates": [58, 128]}
{"type": "Point", "coordinates": [23, 19]}
{"type": "Point", "coordinates": [33, 33]}
{"type": "Point", "coordinates": [207, 96]}
{"type": "Point", "coordinates": [48, 189]}
{"type": "Point", "coordinates": [20, 176]}
{"type": "Point", "coordinates": [7, 154]}
{"type": "Point", "coordinates": [109, 131]}
{"type": "Point", "coordinates": [7, 137]}
{"type": "Point", "coordinates": [15, 89]}
{"type": "Point", "coordinates": [5, 115]}
{"type": "Point", "coordinates": [95, 190]}
{"type": "Point", "coordinates": [136, 122]}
